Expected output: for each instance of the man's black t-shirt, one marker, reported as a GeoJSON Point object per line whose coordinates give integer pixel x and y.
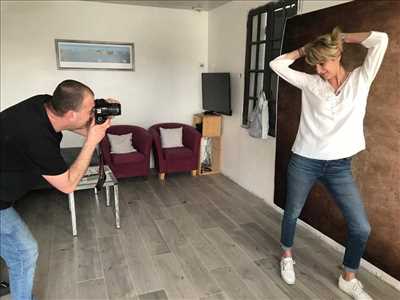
{"type": "Point", "coordinates": [30, 148]}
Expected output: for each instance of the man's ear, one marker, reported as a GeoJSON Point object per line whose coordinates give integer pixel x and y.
{"type": "Point", "coordinates": [70, 116]}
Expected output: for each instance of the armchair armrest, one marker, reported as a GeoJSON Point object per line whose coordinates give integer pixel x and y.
{"type": "Point", "coordinates": [191, 138]}
{"type": "Point", "coordinates": [158, 155]}
{"type": "Point", "coordinates": [142, 141]}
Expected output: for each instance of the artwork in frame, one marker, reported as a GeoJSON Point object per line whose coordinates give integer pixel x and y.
{"type": "Point", "coordinates": [74, 54]}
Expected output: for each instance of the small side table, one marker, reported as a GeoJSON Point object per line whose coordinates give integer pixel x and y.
{"type": "Point", "coordinates": [89, 181]}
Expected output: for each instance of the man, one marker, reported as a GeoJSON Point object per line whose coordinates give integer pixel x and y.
{"type": "Point", "coordinates": [30, 148]}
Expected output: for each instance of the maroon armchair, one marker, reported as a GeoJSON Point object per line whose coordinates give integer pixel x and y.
{"type": "Point", "coordinates": [179, 159]}
{"type": "Point", "coordinates": [128, 164]}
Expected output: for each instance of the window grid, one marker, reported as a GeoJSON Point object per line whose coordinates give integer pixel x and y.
{"type": "Point", "coordinates": [275, 14]}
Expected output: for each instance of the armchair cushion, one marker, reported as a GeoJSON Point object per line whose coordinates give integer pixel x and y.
{"type": "Point", "coordinates": [177, 153]}
{"type": "Point", "coordinates": [121, 143]}
{"type": "Point", "coordinates": [125, 158]}
{"type": "Point", "coordinates": [171, 137]}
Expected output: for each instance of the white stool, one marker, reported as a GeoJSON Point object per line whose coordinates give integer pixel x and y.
{"type": "Point", "coordinates": [89, 181]}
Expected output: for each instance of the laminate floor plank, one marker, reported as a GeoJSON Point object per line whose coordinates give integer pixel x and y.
{"type": "Point", "coordinates": [258, 282]}
{"type": "Point", "coordinates": [174, 280]}
{"type": "Point", "coordinates": [115, 267]}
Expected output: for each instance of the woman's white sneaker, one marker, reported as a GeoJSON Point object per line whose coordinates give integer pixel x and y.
{"type": "Point", "coordinates": [287, 270]}
{"type": "Point", "coordinates": [354, 288]}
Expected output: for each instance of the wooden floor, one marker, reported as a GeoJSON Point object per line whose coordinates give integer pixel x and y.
{"type": "Point", "coordinates": [188, 238]}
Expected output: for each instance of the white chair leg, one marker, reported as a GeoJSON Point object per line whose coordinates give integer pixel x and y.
{"type": "Point", "coordinates": [71, 201]}
{"type": "Point", "coordinates": [96, 194]}
{"type": "Point", "coordinates": [107, 196]}
{"type": "Point", "coordinates": [116, 204]}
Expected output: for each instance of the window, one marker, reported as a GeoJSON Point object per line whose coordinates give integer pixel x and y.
{"type": "Point", "coordinates": [265, 29]}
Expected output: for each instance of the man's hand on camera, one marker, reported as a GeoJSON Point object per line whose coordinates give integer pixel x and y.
{"type": "Point", "coordinates": [97, 132]}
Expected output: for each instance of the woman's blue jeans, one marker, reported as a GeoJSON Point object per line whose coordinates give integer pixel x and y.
{"type": "Point", "coordinates": [337, 177]}
{"type": "Point", "coordinates": [19, 250]}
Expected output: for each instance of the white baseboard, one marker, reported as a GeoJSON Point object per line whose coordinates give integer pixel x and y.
{"type": "Point", "coordinates": [367, 265]}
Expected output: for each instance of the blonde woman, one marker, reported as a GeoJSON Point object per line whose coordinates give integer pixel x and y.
{"type": "Point", "coordinates": [330, 133]}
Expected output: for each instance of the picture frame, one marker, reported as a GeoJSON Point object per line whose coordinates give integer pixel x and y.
{"type": "Point", "coordinates": [94, 55]}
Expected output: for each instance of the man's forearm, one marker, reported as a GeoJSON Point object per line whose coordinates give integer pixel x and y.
{"type": "Point", "coordinates": [80, 165]}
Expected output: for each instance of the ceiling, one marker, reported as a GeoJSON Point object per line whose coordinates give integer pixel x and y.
{"type": "Point", "coordinates": [191, 5]}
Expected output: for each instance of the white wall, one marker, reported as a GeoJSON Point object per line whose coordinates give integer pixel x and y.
{"type": "Point", "coordinates": [249, 162]}
{"type": "Point", "coordinates": [170, 45]}
{"type": "Point", "coordinates": [311, 5]}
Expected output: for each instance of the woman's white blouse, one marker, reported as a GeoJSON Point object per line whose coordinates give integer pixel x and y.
{"type": "Point", "coordinates": [331, 125]}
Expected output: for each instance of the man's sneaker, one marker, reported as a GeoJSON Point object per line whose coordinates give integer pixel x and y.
{"type": "Point", "coordinates": [287, 270]}
{"type": "Point", "coordinates": [354, 288]}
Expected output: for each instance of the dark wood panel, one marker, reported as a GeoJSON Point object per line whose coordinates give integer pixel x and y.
{"type": "Point", "coordinates": [377, 169]}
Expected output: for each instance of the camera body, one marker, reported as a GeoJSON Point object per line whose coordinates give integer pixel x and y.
{"type": "Point", "coordinates": [103, 109]}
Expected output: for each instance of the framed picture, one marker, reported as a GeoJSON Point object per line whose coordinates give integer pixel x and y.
{"type": "Point", "coordinates": [73, 54]}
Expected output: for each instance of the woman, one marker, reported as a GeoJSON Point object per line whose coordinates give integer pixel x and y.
{"type": "Point", "coordinates": [330, 133]}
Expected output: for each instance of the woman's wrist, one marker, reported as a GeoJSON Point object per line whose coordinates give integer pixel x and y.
{"type": "Point", "coordinates": [355, 38]}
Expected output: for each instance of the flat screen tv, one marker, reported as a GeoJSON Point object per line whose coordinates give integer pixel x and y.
{"type": "Point", "coordinates": [216, 91]}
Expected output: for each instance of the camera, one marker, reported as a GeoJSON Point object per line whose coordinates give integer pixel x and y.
{"type": "Point", "coordinates": [103, 109]}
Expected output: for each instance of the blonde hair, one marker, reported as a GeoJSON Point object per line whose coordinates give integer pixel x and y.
{"type": "Point", "coordinates": [325, 47]}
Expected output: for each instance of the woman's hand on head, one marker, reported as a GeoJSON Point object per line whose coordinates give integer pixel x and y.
{"type": "Point", "coordinates": [343, 37]}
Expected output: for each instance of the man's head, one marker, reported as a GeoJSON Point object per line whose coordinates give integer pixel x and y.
{"type": "Point", "coordinates": [74, 101]}
{"type": "Point", "coordinates": [325, 53]}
